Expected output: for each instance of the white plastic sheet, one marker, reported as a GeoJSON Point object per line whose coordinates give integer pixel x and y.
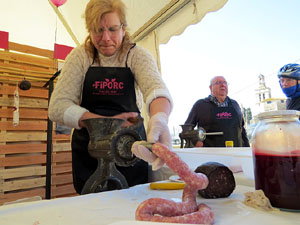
{"type": "Point", "coordinates": [118, 208]}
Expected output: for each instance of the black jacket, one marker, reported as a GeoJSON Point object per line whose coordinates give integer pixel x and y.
{"type": "Point", "coordinates": [200, 116]}
{"type": "Point", "coordinates": [293, 104]}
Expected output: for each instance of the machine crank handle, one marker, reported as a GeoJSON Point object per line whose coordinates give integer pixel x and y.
{"type": "Point", "coordinates": [202, 134]}
{"type": "Point", "coordinates": [146, 144]}
{"type": "Point", "coordinates": [214, 133]}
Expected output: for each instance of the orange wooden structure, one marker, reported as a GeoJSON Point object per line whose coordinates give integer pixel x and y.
{"type": "Point", "coordinates": [23, 147]}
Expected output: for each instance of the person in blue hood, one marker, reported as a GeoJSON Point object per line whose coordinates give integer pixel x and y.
{"type": "Point", "coordinates": [289, 80]}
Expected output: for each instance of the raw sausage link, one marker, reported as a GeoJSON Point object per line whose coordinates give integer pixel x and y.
{"type": "Point", "coordinates": [187, 211]}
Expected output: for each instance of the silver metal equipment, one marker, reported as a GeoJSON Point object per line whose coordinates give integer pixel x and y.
{"type": "Point", "coordinates": [188, 136]}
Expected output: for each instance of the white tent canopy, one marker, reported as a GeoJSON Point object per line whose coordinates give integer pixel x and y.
{"type": "Point", "coordinates": [151, 22]}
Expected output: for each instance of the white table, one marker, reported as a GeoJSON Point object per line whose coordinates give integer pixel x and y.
{"type": "Point", "coordinates": [118, 208]}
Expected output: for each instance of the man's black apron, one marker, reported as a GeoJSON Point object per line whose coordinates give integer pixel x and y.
{"type": "Point", "coordinates": [107, 91]}
{"type": "Point", "coordinates": [226, 120]}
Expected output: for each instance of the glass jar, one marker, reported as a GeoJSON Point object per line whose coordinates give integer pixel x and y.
{"type": "Point", "coordinates": [276, 157]}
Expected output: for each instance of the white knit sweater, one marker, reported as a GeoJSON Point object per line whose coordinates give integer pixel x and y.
{"type": "Point", "coordinates": [65, 101]}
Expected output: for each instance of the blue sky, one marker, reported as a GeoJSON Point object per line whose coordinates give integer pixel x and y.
{"type": "Point", "coordinates": [240, 41]}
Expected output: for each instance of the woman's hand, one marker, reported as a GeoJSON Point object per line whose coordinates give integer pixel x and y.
{"type": "Point", "coordinates": [158, 131]}
{"type": "Point", "coordinates": [125, 116]}
{"type": "Point", "coordinates": [87, 115]}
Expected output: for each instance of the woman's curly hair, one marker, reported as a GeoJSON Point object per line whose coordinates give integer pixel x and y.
{"type": "Point", "coordinates": [94, 11]}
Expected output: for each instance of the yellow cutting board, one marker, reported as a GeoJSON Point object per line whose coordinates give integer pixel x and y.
{"type": "Point", "coordinates": [167, 185]}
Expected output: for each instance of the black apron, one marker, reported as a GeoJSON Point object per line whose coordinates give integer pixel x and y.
{"type": "Point", "coordinates": [107, 91]}
{"type": "Point", "coordinates": [226, 120]}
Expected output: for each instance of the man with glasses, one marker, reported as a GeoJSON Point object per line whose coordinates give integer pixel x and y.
{"type": "Point", "coordinates": [219, 113]}
{"type": "Point", "coordinates": [289, 78]}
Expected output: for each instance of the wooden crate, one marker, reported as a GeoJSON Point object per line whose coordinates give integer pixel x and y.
{"type": "Point", "coordinates": [23, 147]}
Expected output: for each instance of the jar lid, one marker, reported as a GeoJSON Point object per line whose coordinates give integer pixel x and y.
{"type": "Point", "coordinates": [279, 113]}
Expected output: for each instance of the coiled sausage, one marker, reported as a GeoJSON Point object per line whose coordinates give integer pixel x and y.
{"type": "Point", "coordinates": [187, 211]}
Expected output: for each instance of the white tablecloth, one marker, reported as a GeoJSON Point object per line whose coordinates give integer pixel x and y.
{"type": "Point", "coordinates": [118, 208]}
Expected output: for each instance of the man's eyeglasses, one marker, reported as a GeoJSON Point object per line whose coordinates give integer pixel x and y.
{"type": "Point", "coordinates": [111, 30]}
{"type": "Point", "coordinates": [286, 80]}
{"type": "Point", "coordinates": [220, 83]}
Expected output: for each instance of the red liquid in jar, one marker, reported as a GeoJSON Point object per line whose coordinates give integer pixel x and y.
{"type": "Point", "coordinates": [279, 178]}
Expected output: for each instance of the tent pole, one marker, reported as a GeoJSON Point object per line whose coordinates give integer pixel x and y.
{"type": "Point", "coordinates": [49, 83]}
{"type": "Point", "coordinates": [49, 148]}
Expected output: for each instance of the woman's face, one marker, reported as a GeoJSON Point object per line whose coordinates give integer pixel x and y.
{"type": "Point", "coordinates": [109, 36]}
